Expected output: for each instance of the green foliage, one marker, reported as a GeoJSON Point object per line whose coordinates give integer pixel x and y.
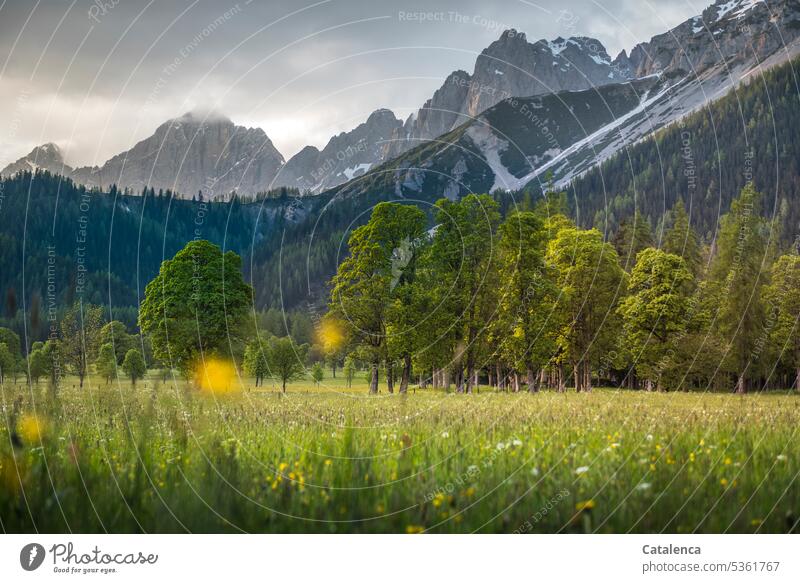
{"type": "Point", "coordinates": [106, 363]}
{"type": "Point", "coordinates": [349, 370]}
{"type": "Point", "coordinates": [317, 373]}
{"type": "Point", "coordinates": [134, 365]}
{"type": "Point", "coordinates": [738, 274]}
{"type": "Point", "coordinates": [53, 351]}
{"type": "Point", "coordinates": [366, 280]}
{"type": "Point", "coordinates": [255, 361]}
{"type": "Point", "coordinates": [7, 362]}
{"type": "Point", "coordinates": [466, 274]}
{"type": "Point", "coordinates": [526, 324]}
{"type": "Point", "coordinates": [592, 283]}
{"type": "Point", "coordinates": [680, 239]}
{"type": "Point", "coordinates": [11, 340]}
{"type": "Point", "coordinates": [80, 336]}
{"type": "Point", "coordinates": [38, 363]}
{"type": "Point", "coordinates": [116, 334]}
{"type": "Point", "coordinates": [782, 298]}
{"type": "Point", "coordinates": [632, 236]}
{"type": "Point", "coordinates": [287, 360]}
{"type": "Point", "coordinates": [197, 304]}
{"type": "Point", "coordinates": [656, 311]}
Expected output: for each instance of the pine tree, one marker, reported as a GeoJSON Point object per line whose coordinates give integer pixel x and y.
{"type": "Point", "coordinates": [681, 240]}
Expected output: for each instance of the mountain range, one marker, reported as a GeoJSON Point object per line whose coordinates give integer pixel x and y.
{"type": "Point", "coordinates": [528, 110]}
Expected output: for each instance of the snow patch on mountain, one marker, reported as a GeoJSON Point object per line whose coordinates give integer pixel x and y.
{"type": "Point", "coordinates": [491, 147]}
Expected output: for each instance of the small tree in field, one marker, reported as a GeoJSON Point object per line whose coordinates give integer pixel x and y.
{"type": "Point", "coordinates": [80, 337]}
{"type": "Point", "coordinates": [255, 359]}
{"type": "Point", "coordinates": [317, 374]}
{"type": "Point", "coordinates": [37, 363]}
{"type": "Point", "coordinates": [106, 363]}
{"type": "Point", "coordinates": [133, 365]}
{"type": "Point", "coordinates": [286, 360]}
{"type": "Point", "coordinates": [349, 370]}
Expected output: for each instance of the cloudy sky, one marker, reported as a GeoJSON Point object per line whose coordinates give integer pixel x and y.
{"type": "Point", "coordinates": [95, 76]}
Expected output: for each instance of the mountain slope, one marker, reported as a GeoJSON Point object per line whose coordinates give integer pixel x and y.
{"type": "Point", "coordinates": [706, 159]}
{"type": "Point", "coordinates": [520, 140]}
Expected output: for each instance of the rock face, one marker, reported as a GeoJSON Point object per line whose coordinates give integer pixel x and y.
{"type": "Point", "coordinates": [346, 156]}
{"type": "Point", "coordinates": [727, 31]}
{"type": "Point", "coordinates": [45, 157]}
{"type": "Point", "coordinates": [511, 67]}
{"type": "Point", "coordinates": [193, 153]}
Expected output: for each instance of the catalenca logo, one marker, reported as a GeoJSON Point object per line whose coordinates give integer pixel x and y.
{"type": "Point", "coordinates": [31, 556]}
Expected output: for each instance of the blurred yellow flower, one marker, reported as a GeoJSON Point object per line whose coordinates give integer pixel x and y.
{"type": "Point", "coordinates": [330, 334]}
{"type": "Point", "coordinates": [31, 428]}
{"type": "Point", "coordinates": [216, 376]}
{"type": "Point", "coordinates": [585, 505]}
{"type": "Point", "coordinates": [414, 529]}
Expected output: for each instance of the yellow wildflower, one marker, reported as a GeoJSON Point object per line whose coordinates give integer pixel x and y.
{"type": "Point", "coordinates": [31, 428]}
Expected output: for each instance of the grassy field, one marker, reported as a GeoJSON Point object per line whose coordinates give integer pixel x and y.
{"type": "Point", "coordinates": [165, 458]}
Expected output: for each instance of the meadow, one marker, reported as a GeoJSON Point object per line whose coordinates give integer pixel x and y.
{"type": "Point", "coordinates": [164, 457]}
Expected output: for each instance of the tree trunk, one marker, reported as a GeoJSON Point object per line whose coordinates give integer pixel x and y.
{"type": "Point", "coordinates": [516, 382]}
{"type": "Point", "coordinates": [406, 373]}
{"type": "Point", "coordinates": [373, 379]}
{"type": "Point", "coordinates": [797, 379]}
{"type": "Point", "coordinates": [587, 376]}
{"type": "Point", "coordinates": [446, 378]}
{"type": "Point", "coordinates": [578, 376]}
{"type": "Point", "coordinates": [283, 385]}
{"type": "Point", "coordinates": [459, 380]}
{"type": "Point", "coordinates": [648, 386]}
{"type": "Point", "coordinates": [533, 386]}
{"type": "Point", "coordinates": [389, 377]}
{"type": "Point", "coordinates": [741, 385]}
{"type": "Point", "coordinates": [562, 380]}
{"type": "Point", "coordinates": [491, 378]}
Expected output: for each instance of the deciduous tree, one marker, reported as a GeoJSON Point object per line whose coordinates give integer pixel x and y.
{"type": "Point", "coordinates": [197, 304]}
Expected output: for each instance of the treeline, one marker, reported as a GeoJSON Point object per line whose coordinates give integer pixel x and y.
{"type": "Point", "coordinates": [61, 243]}
{"type": "Point", "coordinates": [705, 159]}
{"type": "Point", "coordinates": [534, 300]}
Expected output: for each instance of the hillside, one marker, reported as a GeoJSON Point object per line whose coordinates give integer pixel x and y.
{"type": "Point", "coordinates": [706, 159]}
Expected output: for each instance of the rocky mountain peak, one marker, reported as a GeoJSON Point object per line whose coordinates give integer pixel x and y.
{"type": "Point", "coordinates": [45, 157]}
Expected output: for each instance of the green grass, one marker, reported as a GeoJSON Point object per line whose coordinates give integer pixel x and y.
{"type": "Point", "coordinates": [164, 458]}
